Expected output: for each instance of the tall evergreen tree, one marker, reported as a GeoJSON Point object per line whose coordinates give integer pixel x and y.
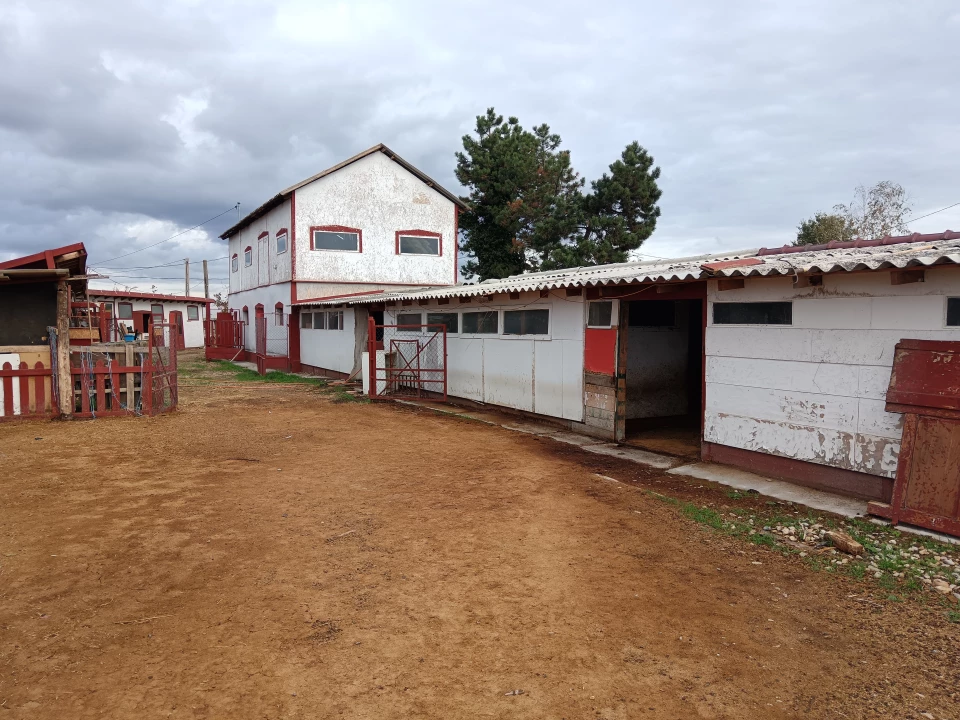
{"type": "Point", "coordinates": [523, 196]}
{"type": "Point", "coordinates": [528, 211]}
{"type": "Point", "coordinates": [618, 215]}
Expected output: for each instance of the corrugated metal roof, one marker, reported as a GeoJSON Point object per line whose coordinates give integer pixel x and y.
{"type": "Point", "coordinates": [815, 260]}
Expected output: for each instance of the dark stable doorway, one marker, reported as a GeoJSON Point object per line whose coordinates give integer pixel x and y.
{"type": "Point", "coordinates": [665, 376]}
{"type": "Point", "coordinates": [377, 316]}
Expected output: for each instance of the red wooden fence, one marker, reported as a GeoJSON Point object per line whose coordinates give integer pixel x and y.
{"type": "Point", "coordinates": [104, 390]}
{"type": "Point", "coordinates": [26, 392]}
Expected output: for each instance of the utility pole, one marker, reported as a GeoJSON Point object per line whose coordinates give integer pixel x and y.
{"type": "Point", "coordinates": [206, 281]}
{"type": "Point", "coordinates": [186, 276]}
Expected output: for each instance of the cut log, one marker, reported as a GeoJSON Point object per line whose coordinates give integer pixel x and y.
{"type": "Point", "coordinates": [844, 543]}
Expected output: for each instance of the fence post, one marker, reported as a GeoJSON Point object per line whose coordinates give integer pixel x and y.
{"type": "Point", "coordinates": [372, 353]}
{"type": "Point", "coordinates": [64, 384]}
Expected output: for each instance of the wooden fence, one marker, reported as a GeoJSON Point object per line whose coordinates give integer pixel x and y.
{"type": "Point", "coordinates": [26, 392]}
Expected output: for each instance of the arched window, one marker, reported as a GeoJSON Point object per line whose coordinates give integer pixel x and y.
{"type": "Point", "coordinates": [281, 241]}
{"type": "Point", "coordinates": [246, 315]}
{"type": "Point", "coordinates": [235, 263]}
{"type": "Point", "coordinates": [248, 257]}
{"type": "Point", "coordinates": [278, 313]}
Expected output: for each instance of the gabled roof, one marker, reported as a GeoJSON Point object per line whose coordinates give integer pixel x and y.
{"type": "Point", "coordinates": [96, 292]}
{"type": "Point", "coordinates": [284, 194]}
{"type": "Point", "coordinates": [885, 254]}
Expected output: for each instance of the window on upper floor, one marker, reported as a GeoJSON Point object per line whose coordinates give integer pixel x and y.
{"type": "Point", "coordinates": [248, 257]}
{"type": "Point", "coordinates": [281, 243]}
{"type": "Point", "coordinates": [336, 238]}
{"type": "Point", "coordinates": [953, 312]}
{"type": "Point", "coordinates": [753, 313]}
{"type": "Point", "coordinates": [235, 263]}
{"type": "Point", "coordinates": [418, 242]}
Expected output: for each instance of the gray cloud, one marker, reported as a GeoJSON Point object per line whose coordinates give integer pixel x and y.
{"type": "Point", "coordinates": [124, 121]}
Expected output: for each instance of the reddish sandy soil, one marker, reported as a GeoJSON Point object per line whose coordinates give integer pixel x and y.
{"type": "Point", "coordinates": [268, 553]}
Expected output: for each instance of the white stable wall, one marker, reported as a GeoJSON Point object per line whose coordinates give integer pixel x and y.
{"type": "Point", "coordinates": [540, 374]}
{"type": "Point", "coordinates": [330, 349]}
{"type": "Point", "coordinates": [815, 390]}
{"type": "Point", "coordinates": [379, 197]}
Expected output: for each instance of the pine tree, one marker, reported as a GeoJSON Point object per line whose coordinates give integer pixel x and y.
{"type": "Point", "coordinates": [528, 211]}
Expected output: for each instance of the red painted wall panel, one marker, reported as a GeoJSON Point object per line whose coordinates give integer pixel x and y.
{"type": "Point", "coordinates": [600, 351]}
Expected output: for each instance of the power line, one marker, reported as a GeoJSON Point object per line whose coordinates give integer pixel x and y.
{"type": "Point", "coordinates": [183, 232]}
{"type": "Point", "coordinates": [933, 213]}
{"type": "Point", "coordinates": [151, 267]}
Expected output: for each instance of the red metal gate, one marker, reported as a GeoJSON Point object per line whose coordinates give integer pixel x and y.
{"type": "Point", "coordinates": [407, 360]}
{"type": "Point", "coordinates": [223, 337]}
{"type": "Point", "coordinates": [272, 348]}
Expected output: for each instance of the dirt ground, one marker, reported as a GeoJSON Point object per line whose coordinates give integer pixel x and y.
{"type": "Point", "coordinates": [266, 552]}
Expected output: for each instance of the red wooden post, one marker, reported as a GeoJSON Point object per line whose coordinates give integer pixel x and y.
{"type": "Point", "coordinates": [7, 391]}
{"type": "Point", "coordinates": [40, 390]}
{"type": "Point", "coordinates": [24, 389]}
{"type": "Point", "coordinates": [84, 392]}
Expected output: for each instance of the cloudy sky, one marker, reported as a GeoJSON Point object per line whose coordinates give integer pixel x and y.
{"type": "Point", "coordinates": [124, 123]}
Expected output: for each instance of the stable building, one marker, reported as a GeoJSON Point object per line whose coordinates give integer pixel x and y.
{"type": "Point", "coordinates": [133, 314]}
{"type": "Point", "coordinates": [776, 360]}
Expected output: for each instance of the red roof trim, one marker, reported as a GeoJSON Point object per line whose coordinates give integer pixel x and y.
{"type": "Point", "coordinates": [335, 297]}
{"type": "Point", "coordinates": [859, 242]}
{"type": "Point", "coordinates": [262, 235]}
{"type": "Point", "coordinates": [94, 292]}
{"type": "Point", "coordinates": [45, 256]}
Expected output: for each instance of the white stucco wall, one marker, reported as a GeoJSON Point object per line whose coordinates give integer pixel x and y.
{"type": "Point", "coordinates": [815, 390]}
{"type": "Point", "coordinates": [268, 266]}
{"type": "Point", "coordinates": [192, 329]}
{"type": "Point", "coordinates": [541, 374]}
{"type": "Point", "coordinates": [330, 349]}
{"type": "Point", "coordinates": [268, 296]}
{"type": "Point", "coordinates": [379, 197]}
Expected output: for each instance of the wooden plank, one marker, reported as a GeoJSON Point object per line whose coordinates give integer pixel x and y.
{"type": "Point", "coordinates": [24, 390]}
{"type": "Point", "coordinates": [40, 395]}
{"type": "Point", "coordinates": [128, 361]}
{"type": "Point", "coordinates": [64, 385]}
{"type": "Point", "coordinates": [7, 382]}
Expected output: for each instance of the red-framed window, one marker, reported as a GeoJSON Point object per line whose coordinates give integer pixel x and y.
{"type": "Point", "coordinates": [281, 241]}
{"type": "Point", "coordinates": [248, 256]}
{"type": "Point", "coordinates": [235, 263]}
{"type": "Point", "coordinates": [336, 238]}
{"type": "Point", "coordinates": [125, 311]}
{"type": "Point", "coordinates": [193, 312]}
{"type": "Point", "coordinates": [246, 315]}
{"type": "Point", "coordinates": [419, 242]}
{"type": "Point", "coordinates": [278, 314]}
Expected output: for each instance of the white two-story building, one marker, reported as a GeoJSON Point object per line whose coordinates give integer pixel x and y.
{"type": "Point", "coordinates": [371, 224]}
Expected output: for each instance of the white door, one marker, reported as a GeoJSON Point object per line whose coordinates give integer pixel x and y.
{"type": "Point", "coordinates": [263, 261]}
